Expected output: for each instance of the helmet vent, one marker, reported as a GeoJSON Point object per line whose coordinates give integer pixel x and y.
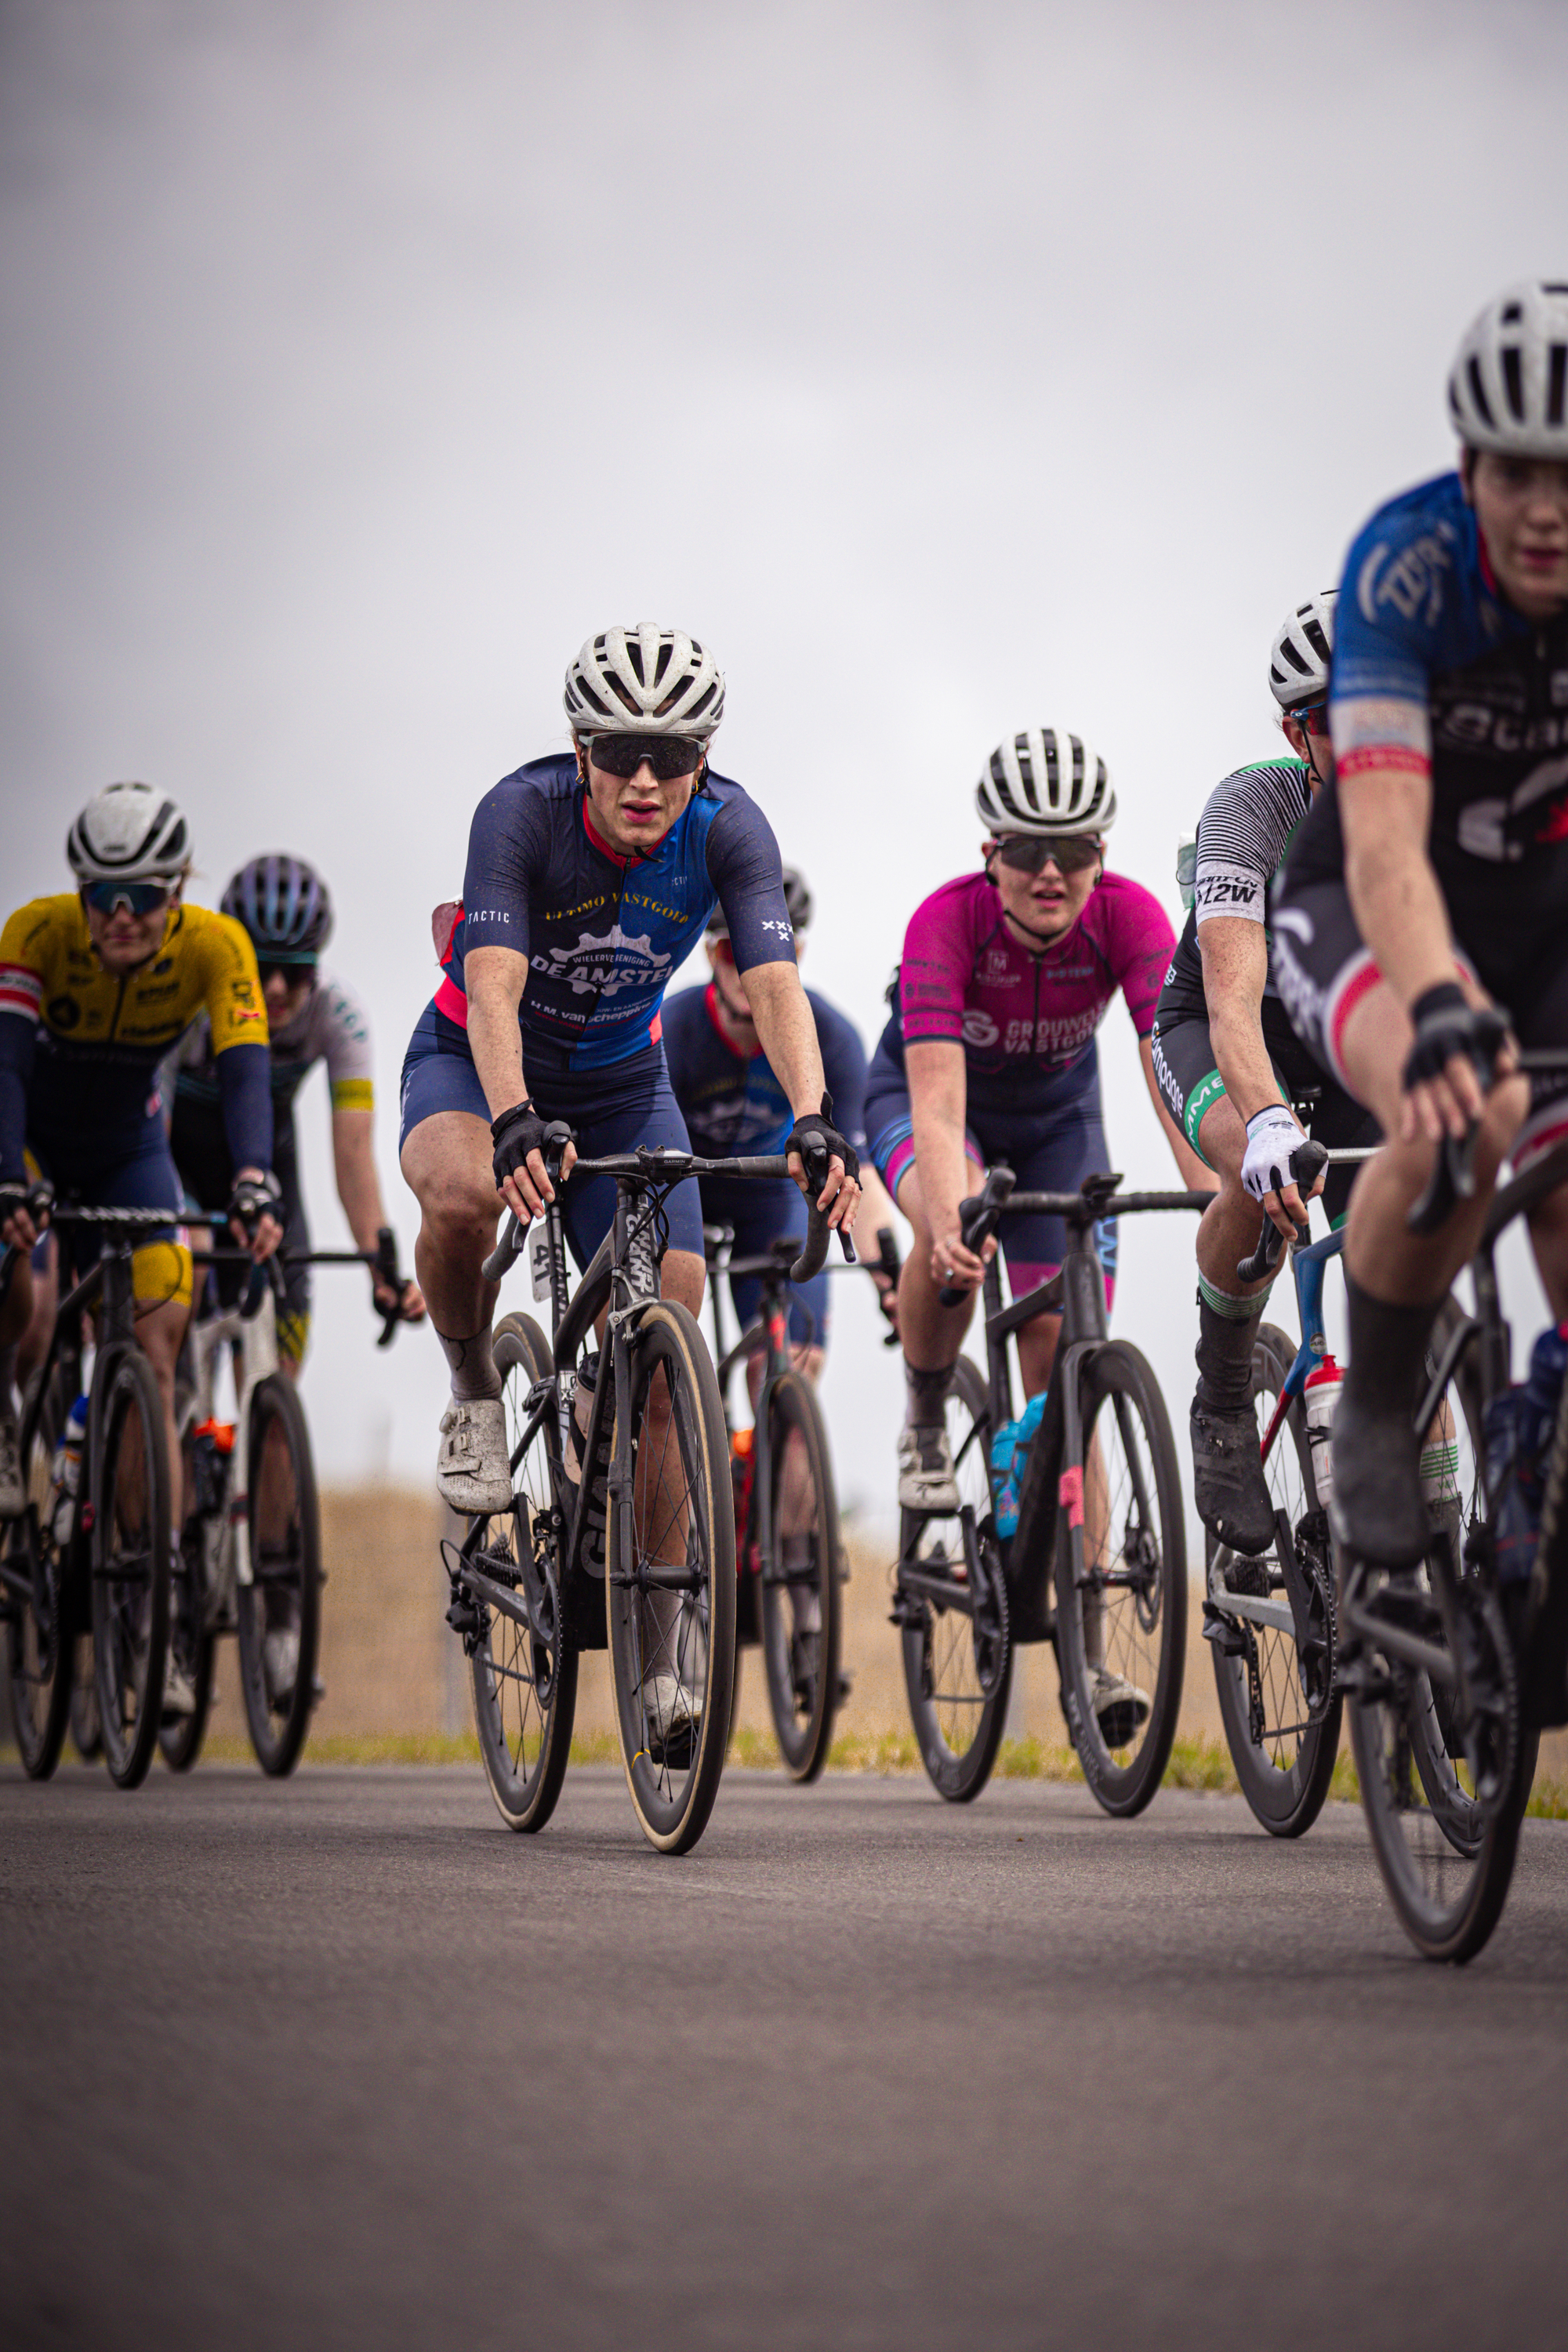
{"type": "Point", "coordinates": [1479, 391]}
{"type": "Point", "coordinates": [1556, 382]}
{"type": "Point", "coordinates": [1513, 379]}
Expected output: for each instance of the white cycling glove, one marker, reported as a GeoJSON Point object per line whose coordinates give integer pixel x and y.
{"type": "Point", "coordinates": [1272, 1135]}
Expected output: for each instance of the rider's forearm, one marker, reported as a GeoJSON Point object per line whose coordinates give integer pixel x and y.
{"type": "Point", "coordinates": [787, 1033]}
{"type": "Point", "coordinates": [353, 1165]}
{"type": "Point", "coordinates": [245, 1084]}
{"type": "Point", "coordinates": [938, 1101]}
{"type": "Point", "coordinates": [494, 979]}
{"type": "Point", "coordinates": [1394, 893]}
{"type": "Point", "coordinates": [1242, 1057]}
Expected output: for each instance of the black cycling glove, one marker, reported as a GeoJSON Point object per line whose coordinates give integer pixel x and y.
{"type": "Point", "coordinates": [517, 1132]}
{"type": "Point", "coordinates": [1447, 1026]}
{"type": "Point", "coordinates": [815, 1138]}
{"type": "Point", "coordinates": [36, 1195]}
{"type": "Point", "coordinates": [254, 1197]}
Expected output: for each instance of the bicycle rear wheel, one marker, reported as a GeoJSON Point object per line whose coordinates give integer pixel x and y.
{"type": "Point", "coordinates": [525, 1678]}
{"type": "Point", "coordinates": [671, 1618]}
{"type": "Point", "coordinates": [801, 1595]}
{"type": "Point", "coordinates": [40, 1603]}
{"type": "Point", "coordinates": [1121, 1620]}
{"type": "Point", "coordinates": [191, 1644]}
{"type": "Point", "coordinates": [131, 1567]}
{"type": "Point", "coordinates": [279, 1611]}
{"type": "Point", "coordinates": [1283, 1762]}
{"type": "Point", "coordinates": [958, 1667]}
{"type": "Point", "coordinates": [87, 1732]}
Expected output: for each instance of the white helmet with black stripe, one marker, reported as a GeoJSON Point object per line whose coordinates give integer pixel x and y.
{"type": "Point", "coordinates": [128, 832]}
{"type": "Point", "coordinates": [1298, 658]}
{"type": "Point", "coordinates": [1507, 389]}
{"type": "Point", "coordinates": [1046, 780]}
{"type": "Point", "coordinates": [644, 681]}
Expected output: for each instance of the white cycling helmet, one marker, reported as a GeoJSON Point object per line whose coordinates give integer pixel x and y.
{"type": "Point", "coordinates": [1508, 387]}
{"type": "Point", "coordinates": [644, 681]}
{"type": "Point", "coordinates": [1046, 780]}
{"type": "Point", "coordinates": [128, 832]}
{"type": "Point", "coordinates": [1298, 658]}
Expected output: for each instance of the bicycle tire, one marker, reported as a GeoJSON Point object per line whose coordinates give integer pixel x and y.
{"type": "Point", "coordinates": [1284, 1773]}
{"type": "Point", "coordinates": [525, 1689]}
{"type": "Point", "coordinates": [40, 1627]}
{"type": "Point", "coordinates": [801, 1660]}
{"type": "Point", "coordinates": [1454, 1810]}
{"type": "Point", "coordinates": [667, 1658]}
{"type": "Point", "coordinates": [1140, 1633]}
{"type": "Point", "coordinates": [957, 1684]}
{"type": "Point", "coordinates": [284, 1594]}
{"type": "Point", "coordinates": [191, 1644]}
{"type": "Point", "coordinates": [130, 1564]}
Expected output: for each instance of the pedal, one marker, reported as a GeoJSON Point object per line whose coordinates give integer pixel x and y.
{"type": "Point", "coordinates": [463, 1616]}
{"type": "Point", "coordinates": [846, 1684]}
{"type": "Point", "coordinates": [1223, 1632]}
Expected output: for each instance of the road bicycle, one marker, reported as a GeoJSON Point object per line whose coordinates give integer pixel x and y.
{"type": "Point", "coordinates": [1450, 1679]}
{"type": "Point", "coordinates": [1097, 1564]}
{"type": "Point", "coordinates": [621, 1530]}
{"type": "Point", "coordinates": [251, 1547]}
{"type": "Point", "coordinates": [98, 1561]}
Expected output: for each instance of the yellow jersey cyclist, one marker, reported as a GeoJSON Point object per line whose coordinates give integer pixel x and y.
{"type": "Point", "coordinates": [590, 877]}
{"type": "Point", "coordinates": [990, 1053]}
{"type": "Point", "coordinates": [732, 1103]}
{"type": "Point", "coordinates": [96, 986]}
{"type": "Point", "coordinates": [1229, 1063]}
{"type": "Point", "coordinates": [1422, 919]}
{"type": "Point", "coordinates": [313, 1017]}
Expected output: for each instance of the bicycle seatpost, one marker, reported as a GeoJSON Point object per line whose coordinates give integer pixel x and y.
{"type": "Point", "coordinates": [978, 1218]}
{"type": "Point", "coordinates": [1307, 1164]}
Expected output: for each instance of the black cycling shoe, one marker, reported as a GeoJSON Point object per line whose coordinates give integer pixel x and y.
{"type": "Point", "coordinates": [1378, 1511]}
{"type": "Point", "coordinates": [1228, 1485]}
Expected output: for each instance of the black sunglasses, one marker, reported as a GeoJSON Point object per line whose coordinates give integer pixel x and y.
{"type": "Point", "coordinates": [668, 755]}
{"type": "Point", "coordinates": [1030, 853]}
{"type": "Point", "coordinates": [290, 972]}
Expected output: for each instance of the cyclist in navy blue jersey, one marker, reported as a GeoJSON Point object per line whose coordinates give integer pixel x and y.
{"type": "Point", "coordinates": [591, 876]}
{"type": "Point", "coordinates": [1421, 922]}
{"type": "Point", "coordinates": [732, 1102]}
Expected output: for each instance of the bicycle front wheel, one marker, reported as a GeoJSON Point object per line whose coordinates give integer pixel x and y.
{"type": "Point", "coordinates": [801, 1591]}
{"type": "Point", "coordinates": [958, 1662]}
{"type": "Point", "coordinates": [1121, 1614]}
{"type": "Point", "coordinates": [39, 1604]}
{"type": "Point", "coordinates": [279, 1610]}
{"type": "Point", "coordinates": [525, 1677]}
{"type": "Point", "coordinates": [131, 1568]}
{"type": "Point", "coordinates": [670, 1590]}
{"type": "Point", "coordinates": [1267, 1689]}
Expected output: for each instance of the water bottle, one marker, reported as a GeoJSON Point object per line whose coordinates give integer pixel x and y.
{"type": "Point", "coordinates": [67, 1473]}
{"type": "Point", "coordinates": [742, 1468]}
{"type": "Point", "coordinates": [1009, 1452]}
{"type": "Point", "coordinates": [1323, 1386]}
{"type": "Point", "coordinates": [1520, 1426]}
{"type": "Point", "coordinates": [212, 1443]}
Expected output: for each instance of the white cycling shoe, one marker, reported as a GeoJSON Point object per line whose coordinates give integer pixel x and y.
{"type": "Point", "coordinates": [280, 1664]}
{"type": "Point", "coordinates": [926, 1480]}
{"type": "Point", "coordinates": [674, 1715]}
{"type": "Point", "coordinates": [13, 1495]}
{"type": "Point", "coordinates": [473, 1467]}
{"type": "Point", "coordinates": [179, 1691]}
{"type": "Point", "coordinates": [1120, 1708]}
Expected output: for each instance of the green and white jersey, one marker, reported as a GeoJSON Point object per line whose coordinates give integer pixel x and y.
{"type": "Point", "coordinates": [1247, 825]}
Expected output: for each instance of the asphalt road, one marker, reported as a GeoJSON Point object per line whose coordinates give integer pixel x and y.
{"type": "Point", "coordinates": [339, 2063]}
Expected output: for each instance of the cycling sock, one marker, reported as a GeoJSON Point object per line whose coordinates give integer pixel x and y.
{"type": "Point", "coordinates": [927, 1395]}
{"type": "Point", "coordinates": [1226, 1328]}
{"type": "Point", "coordinates": [473, 1366]}
{"type": "Point", "coordinates": [1388, 1349]}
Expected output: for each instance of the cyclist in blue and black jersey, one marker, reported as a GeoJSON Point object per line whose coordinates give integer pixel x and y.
{"type": "Point", "coordinates": [1421, 919]}
{"type": "Point", "coordinates": [591, 876]}
{"type": "Point", "coordinates": [732, 1102]}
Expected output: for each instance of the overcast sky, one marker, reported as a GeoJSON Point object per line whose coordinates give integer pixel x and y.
{"type": "Point", "coordinates": [947, 368]}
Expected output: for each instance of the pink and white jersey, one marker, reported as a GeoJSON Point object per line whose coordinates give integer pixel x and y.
{"type": "Point", "coordinates": [1023, 1016]}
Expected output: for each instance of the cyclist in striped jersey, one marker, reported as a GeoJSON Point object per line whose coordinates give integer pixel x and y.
{"type": "Point", "coordinates": [1228, 1063]}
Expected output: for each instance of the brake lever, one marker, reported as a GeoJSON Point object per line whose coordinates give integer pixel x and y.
{"type": "Point", "coordinates": [1306, 1163]}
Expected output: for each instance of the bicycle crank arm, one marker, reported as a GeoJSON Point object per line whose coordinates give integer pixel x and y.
{"type": "Point", "coordinates": [1411, 1650]}
{"type": "Point", "coordinates": [475, 1585]}
{"type": "Point", "coordinates": [944, 1590]}
{"type": "Point", "coordinates": [1256, 1611]}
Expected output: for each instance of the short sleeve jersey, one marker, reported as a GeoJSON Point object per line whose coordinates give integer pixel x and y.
{"type": "Point", "coordinates": [332, 1027]}
{"type": "Point", "coordinates": [731, 1101]}
{"type": "Point", "coordinates": [94, 1039]}
{"type": "Point", "coordinates": [1247, 825]}
{"type": "Point", "coordinates": [603, 933]}
{"type": "Point", "coordinates": [1023, 1016]}
{"type": "Point", "coordinates": [1435, 672]}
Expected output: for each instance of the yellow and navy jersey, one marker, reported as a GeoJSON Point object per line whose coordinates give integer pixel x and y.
{"type": "Point", "coordinates": [80, 1046]}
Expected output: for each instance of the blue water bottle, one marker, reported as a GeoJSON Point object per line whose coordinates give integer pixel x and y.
{"type": "Point", "coordinates": [1520, 1426]}
{"type": "Point", "coordinates": [1009, 1452]}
